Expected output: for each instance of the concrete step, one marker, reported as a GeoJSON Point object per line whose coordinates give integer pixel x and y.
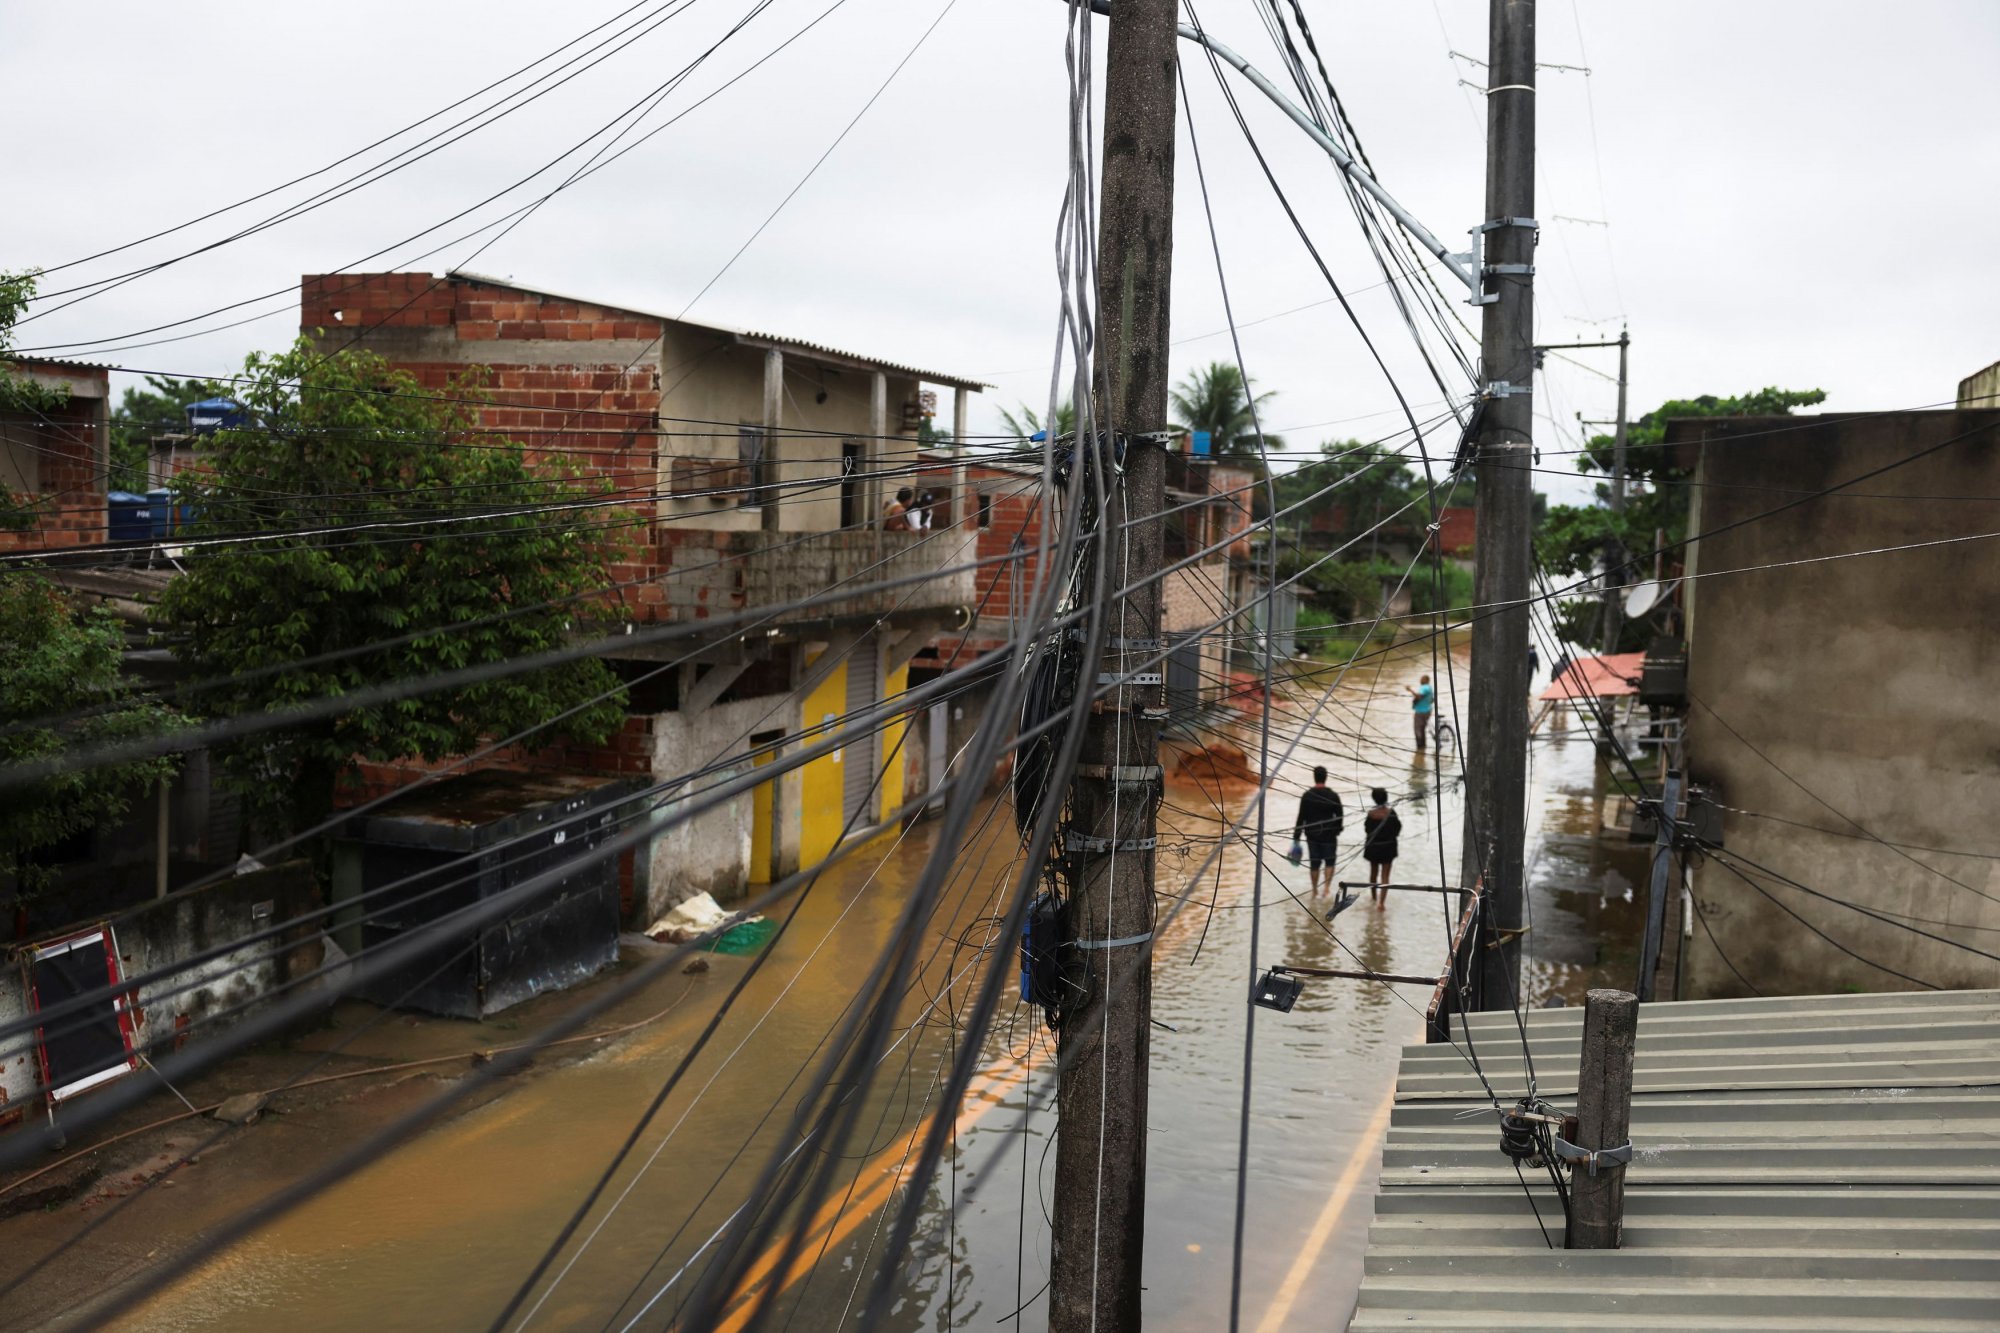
{"type": "Point", "coordinates": [1654, 1204]}
{"type": "Point", "coordinates": [1746, 1263]}
{"type": "Point", "coordinates": [1862, 1234]}
{"type": "Point", "coordinates": [1563, 1282]}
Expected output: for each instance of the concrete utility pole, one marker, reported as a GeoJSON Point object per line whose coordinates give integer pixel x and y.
{"type": "Point", "coordinates": [1612, 620]}
{"type": "Point", "coordinates": [1673, 796]}
{"type": "Point", "coordinates": [1100, 1195]}
{"type": "Point", "coordinates": [1497, 722]}
{"type": "Point", "coordinates": [1614, 608]}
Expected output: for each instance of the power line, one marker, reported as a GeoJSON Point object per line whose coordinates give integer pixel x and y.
{"type": "Point", "coordinates": [387, 138]}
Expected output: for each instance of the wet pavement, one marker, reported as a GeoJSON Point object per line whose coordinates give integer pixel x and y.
{"type": "Point", "coordinates": [436, 1236]}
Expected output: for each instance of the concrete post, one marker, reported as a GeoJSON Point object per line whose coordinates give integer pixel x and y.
{"type": "Point", "coordinates": [962, 507]}
{"type": "Point", "coordinates": [162, 832]}
{"type": "Point", "coordinates": [878, 431]}
{"type": "Point", "coordinates": [1099, 1207]}
{"type": "Point", "coordinates": [774, 400]}
{"type": "Point", "coordinates": [1604, 1117]}
{"type": "Point", "coordinates": [1496, 726]}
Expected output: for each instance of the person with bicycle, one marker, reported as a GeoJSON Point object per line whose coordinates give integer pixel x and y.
{"type": "Point", "coordinates": [1423, 705]}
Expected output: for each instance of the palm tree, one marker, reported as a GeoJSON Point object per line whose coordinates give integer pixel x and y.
{"type": "Point", "coordinates": [1029, 423]}
{"type": "Point", "coordinates": [1217, 399]}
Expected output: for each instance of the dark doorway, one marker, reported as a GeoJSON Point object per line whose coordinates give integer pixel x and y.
{"type": "Point", "coordinates": [850, 484]}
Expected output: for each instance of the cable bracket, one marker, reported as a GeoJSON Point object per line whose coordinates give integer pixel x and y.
{"type": "Point", "coordinates": [1491, 270]}
{"type": "Point", "coordinates": [1591, 1158]}
{"type": "Point", "coordinates": [1506, 389]}
{"type": "Point", "coordinates": [1497, 223]}
{"type": "Point", "coordinates": [1115, 678]}
{"type": "Point", "coordinates": [1090, 842]}
{"type": "Point", "coordinates": [1122, 774]}
{"type": "Point", "coordinates": [1135, 645]}
{"type": "Point", "coordinates": [1112, 944]}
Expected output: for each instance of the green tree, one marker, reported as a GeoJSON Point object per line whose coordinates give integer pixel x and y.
{"type": "Point", "coordinates": [932, 437]}
{"type": "Point", "coordinates": [57, 663]}
{"type": "Point", "coordinates": [1030, 423]}
{"type": "Point", "coordinates": [1217, 399]}
{"type": "Point", "coordinates": [1572, 541]}
{"type": "Point", "coordinates": [21, 399]}
{"type": "Point", "coordinates": [481, 540]}
{"type": "Point", "coordinates": [158, 409]}
{"type": "Point", "coordinates": [1358, 480]}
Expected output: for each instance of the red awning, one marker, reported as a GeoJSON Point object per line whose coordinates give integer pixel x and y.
{"type": "Point", "coordinates": [1598, 678]}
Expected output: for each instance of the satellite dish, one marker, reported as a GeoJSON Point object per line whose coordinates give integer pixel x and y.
{"type": "Point", "coordinates": [1644, 596]}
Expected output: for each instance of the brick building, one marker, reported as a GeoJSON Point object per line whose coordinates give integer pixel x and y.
{"type": "Point", "coordinates": [1209, 506]}
{"type": "Point", "coordinates": [55, 461]}
{"type": "Point", "coordinates": [752, 468]}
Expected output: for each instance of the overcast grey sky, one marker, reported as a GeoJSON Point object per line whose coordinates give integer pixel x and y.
{"type": "Point", "coordinates": [1798, 194]}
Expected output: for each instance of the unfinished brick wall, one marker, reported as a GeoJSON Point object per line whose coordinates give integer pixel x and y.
{"type": "Point", "coordinates": [66, 446]}
{"type": "Point", "coordinates": [1014, 512]}
{"type": "Point", "coordinates": [567, 379]}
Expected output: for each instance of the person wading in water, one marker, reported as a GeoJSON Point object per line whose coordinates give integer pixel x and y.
{"type": "Point", "coordinates": [1319, 824]}
{"type": "Point", "coordinates": [1382, 826]}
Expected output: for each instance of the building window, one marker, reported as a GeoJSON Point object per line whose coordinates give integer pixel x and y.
{"type": "Point", "coordinates": [985, 510]}
{"type": "Point", "coordinates": [751, 455]}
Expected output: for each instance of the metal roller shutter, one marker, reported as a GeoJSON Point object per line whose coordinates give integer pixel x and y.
{"type": "Point", "coordinates": [857, 778]}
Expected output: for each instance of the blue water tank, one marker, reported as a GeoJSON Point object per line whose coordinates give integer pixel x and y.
{"type": "Point", "coordinates": [160, 513]}
{"type": "Point", "coordinates": [213, 414]}
{"type": "Point", "coordinates": [129, 518]}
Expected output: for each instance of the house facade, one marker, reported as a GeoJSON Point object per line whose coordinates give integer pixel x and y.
{"type": "Point", "coordinates": [55, 460]}
{"type": "Point", "coordinates": [749, 471]}
{"type": "Point", "coordinates": [1841, 602]}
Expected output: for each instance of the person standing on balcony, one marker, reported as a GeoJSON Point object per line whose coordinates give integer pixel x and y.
{"type": "Point", "coordinates": [896, 513]}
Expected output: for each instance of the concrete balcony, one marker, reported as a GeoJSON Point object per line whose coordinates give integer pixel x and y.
{"type": "Point", "coordinates": [714, 573]}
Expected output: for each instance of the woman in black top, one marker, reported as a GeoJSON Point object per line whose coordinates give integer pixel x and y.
{"type": "Point", "coordinates": [1381, 827]}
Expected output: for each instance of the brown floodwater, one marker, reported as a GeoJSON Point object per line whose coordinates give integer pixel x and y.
{"type": "Point", "coordinates": [437, 1235]}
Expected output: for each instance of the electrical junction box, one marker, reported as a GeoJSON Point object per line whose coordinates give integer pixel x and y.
{"type": "Point", "coordinates": [1663, 679]}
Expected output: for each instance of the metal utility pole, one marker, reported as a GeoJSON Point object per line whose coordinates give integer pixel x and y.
{"type": "Point", "coordinates": [1100, 1195]}
{"type": "Point", "coordinates": [1497, 720]}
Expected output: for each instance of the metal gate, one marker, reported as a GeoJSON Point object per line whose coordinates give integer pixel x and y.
{"type": "Point", "coordinates": [857, 777]}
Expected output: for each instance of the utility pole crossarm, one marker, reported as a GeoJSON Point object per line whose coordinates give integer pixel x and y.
{"type": "Point", "coordinates": [1463, 264]}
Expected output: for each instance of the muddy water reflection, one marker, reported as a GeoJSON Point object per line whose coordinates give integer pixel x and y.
{"type": "Point", "coordinates": [435, 1237]}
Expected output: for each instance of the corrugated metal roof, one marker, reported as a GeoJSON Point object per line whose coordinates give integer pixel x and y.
{"type": "Point", "coordinates": [1825, 1163]}
{"type": "Point", "coordinates": [800, 344]}
{"type": "Point", "coordinates": [57, 362]}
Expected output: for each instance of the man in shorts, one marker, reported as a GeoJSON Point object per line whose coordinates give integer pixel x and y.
{"type": "Point", "coordinates": [1423, 699]}
{"type": "Point", "coordinates": [1319, 825]}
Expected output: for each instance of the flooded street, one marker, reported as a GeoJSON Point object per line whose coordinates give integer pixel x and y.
{"type": "Point", "coordinates": [437, 1236]}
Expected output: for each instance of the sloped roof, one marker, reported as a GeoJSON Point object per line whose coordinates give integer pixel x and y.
{"type": "Point", "coordinates": [805, 347]}
{"type": "Point", "coordinates": [1827, 1162]}
{"type": "Point", "coordinates": [1598, 678]}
